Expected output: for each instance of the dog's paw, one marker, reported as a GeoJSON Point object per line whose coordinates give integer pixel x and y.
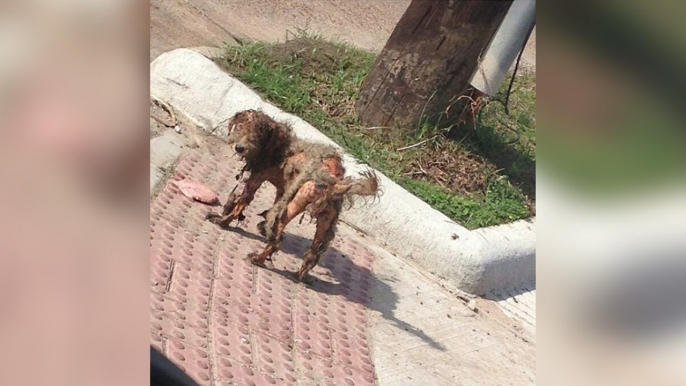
{"type": "Point", "coordinates": [304, 278]}
{"type": "Point", "coordinates": [223, 221]}
{"type": "Point", "coordinates": [213, 217]}
{"type": "Point", "coordinates": [217, 219]}
{"type": "Point", "coordinates": [253, 257]}
{"type": "Point", "coordinates": [307, 280]}
{"type": "Point", "coordinates": [261, 229]}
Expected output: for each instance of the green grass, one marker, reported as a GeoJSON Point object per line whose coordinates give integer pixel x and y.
{"type": "Point", "coordinates": [500, 203]}
{"type": "Point", "coordinates": [509, 141]}
{"type": "Point", "coordinates": [320, 82]}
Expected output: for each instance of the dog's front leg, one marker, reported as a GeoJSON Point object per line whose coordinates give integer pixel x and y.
{"type": "Point", "coordinates": [231, 202]}
{"type": "Point", "coordinates": [233, 209]}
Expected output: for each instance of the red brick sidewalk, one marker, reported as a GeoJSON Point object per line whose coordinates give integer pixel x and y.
{"type": "Point", "coordinates": [226, 322]}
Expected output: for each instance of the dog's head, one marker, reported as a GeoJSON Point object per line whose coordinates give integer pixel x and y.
{"type": "Point", "coordinates": [254, 134]}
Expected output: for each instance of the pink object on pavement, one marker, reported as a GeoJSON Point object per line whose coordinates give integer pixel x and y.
{"type": "Point", "coordinates": [197, 191]}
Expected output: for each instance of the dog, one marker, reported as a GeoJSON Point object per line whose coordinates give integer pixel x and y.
{"type": "Point", "coordinates": [309, 177]}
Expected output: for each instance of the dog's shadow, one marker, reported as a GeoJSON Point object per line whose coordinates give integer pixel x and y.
{"type": "Point", "coordinates": [342, 272]}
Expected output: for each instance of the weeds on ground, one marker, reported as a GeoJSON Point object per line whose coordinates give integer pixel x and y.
{"type": "Point", "coordinates": [477, 181]}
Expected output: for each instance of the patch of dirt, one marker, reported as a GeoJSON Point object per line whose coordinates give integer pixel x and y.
{"type": "Point", "coordinates": [193, 136]}
{"type": "Point", "coordinates": [157, 128]}
{"type": "Point", "coordinates": [366, 24]}
{"type": "Point", "coordinates": [462, 173]}
{"type": "Point", "coordinates": [160, 119]}
{"type": "Point", "coordinates": [180, 23]}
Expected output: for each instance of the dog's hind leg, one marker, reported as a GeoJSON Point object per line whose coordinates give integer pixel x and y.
{"type": "Point", "coordinates": [279, 194]}
{"type": "Point", "coordinates": [275, 236]}
{"type": "Point", "coordinates": [283, 212]}
{"type": "Point", "coordinates": [326, 230]}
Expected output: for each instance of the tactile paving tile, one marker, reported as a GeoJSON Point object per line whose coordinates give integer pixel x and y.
{"type": "Point", "coordinates": [226, 322]}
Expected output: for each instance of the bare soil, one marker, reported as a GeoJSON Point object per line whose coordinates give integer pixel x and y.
{"type": "Point", "coordinates": [365, 24]}
{"type": "Point", "coordinates": [461, 172]}
{"type": "Point", "coordinates": [157, 116]}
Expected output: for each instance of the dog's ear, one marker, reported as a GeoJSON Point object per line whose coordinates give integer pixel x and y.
{"type": "Point", "coordinates": [277, 138]}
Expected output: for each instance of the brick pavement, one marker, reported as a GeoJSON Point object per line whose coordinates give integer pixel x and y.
{"type": "Point", "coordinates": [226, 322]}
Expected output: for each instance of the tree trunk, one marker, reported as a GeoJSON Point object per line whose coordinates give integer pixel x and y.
{"type": "Point", "coordinates": [427, 62]}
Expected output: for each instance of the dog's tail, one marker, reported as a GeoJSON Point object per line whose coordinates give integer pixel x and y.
{"type": "Point", "coordinates": [367, 184]}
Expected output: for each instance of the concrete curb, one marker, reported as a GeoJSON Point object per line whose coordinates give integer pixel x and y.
{"type": "Point", "coordinates": [477, 262]}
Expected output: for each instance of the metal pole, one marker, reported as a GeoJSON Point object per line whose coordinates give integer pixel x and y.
{"type": "Point", "coordinates": [506, 44]}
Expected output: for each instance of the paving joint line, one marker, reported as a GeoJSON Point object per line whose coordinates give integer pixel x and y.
{"type": "Point", "coordinates": [172, 269]}
{"type": "Point", "coordinates": [210, 309]}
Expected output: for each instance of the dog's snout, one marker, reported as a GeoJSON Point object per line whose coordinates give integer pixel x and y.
{"type": "Point", "coordinates": [239, 148]}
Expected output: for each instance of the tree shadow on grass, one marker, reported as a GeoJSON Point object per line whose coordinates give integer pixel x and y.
{"type": "Point", "coordinates": [488, 141]}
{"type": "Point", "coordinates": [517, 165]}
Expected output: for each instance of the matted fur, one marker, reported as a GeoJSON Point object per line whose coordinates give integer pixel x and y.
{"type": "Point", "coordinates": [308, 176]}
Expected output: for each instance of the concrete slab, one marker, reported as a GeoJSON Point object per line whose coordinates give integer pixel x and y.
{"type": "Point", "coordinates": [164, 151]}
{"type": "Point", "coordinates": [424, 335]}
{"type": "Point", "coordinates": [519, 304]}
